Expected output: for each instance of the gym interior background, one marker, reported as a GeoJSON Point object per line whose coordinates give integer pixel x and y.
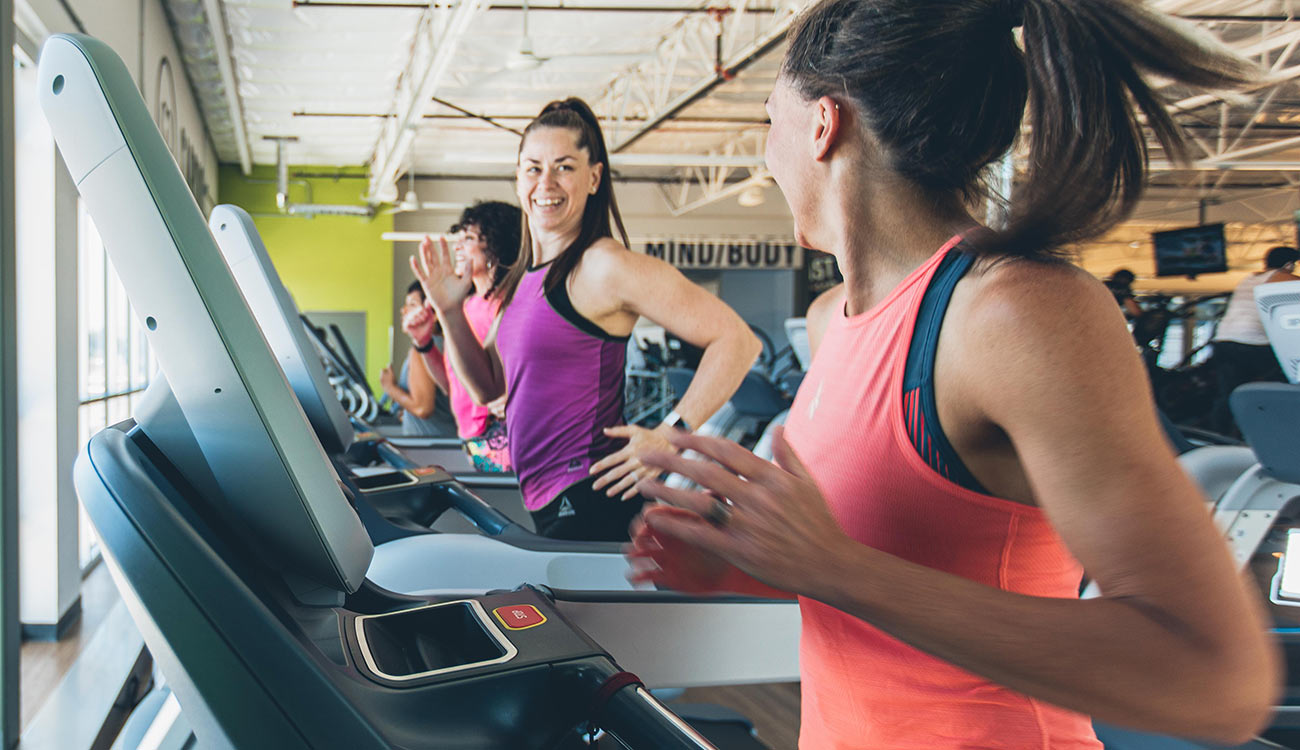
{"type": "Point", "coordinates": [348, 128]}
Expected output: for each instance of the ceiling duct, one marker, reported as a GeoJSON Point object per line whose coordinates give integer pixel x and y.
{"type": "Point", "coordinates": [308, 210]}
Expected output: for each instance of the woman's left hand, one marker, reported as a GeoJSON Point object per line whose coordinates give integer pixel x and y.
{"type": "Point", "coordinates": [774, 525]}
{"type": "Point", "coordinates": [497, 407]}
{"type": "Point", "coordinates": [622, 469]}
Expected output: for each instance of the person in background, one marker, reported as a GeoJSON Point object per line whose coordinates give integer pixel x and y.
{"type": "Point", "coordinates": [414, 389]}
{"type": "Point", "coordinates": [1241, 350]}
{"type": "Point", "coordinates": [976, 428]}
{"type": "Point", "coordinates": [487, 243]}
{"type": "Point", "coordinates": [560, 343]}
{"type": "Point", "coordinates": [1120, 284]}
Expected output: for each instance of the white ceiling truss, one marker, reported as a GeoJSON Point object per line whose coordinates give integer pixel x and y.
{"type": "Point", "coordinates": [699, 186]}
{"type": "Point", "coordinates": [701, 52]}
{"type": "Point", "coordinates": [438, 88]}
{"type": "Point", "coordinates": [437, 37]}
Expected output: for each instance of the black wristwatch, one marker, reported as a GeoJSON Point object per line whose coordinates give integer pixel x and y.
{"type": "Point", "coordinates": [426, 348]}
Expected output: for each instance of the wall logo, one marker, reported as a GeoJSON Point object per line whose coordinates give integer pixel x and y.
{"type": "Point", "coordinates": [164, 111]}
{"type": "Point", "coordinates": [727, 253]}
{"type": "Point", "coordinates": [166, 115]}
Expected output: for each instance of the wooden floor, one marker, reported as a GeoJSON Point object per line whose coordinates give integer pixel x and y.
{"type": "Point", "coordinates": [43, 663]}
{"type": "Point", "coordinates": [774, 709]}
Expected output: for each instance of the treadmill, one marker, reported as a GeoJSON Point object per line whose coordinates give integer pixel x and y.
{"type": "Point", "coordinates": [243, 561]}
{"type": "Point", "coordinates": [278, 317]}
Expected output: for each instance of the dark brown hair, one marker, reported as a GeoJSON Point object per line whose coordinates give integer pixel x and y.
{"type": "Point", "coordinates": [944, 86]}
{"type": "Point", "coordinates": [499, 224]}
{"type": "Point", "coordinates": [571, 114]}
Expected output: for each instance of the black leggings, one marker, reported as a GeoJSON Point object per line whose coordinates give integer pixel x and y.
{"type": "Point", "coordinates": [583, 514]}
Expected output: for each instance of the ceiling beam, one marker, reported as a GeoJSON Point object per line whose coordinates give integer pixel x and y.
{"type": "Point", "coordinates": [229, 82]}
{"type": "Point", "coordinates": [436, 38]}
{"type": "Point", "coordinates": [699, 54]}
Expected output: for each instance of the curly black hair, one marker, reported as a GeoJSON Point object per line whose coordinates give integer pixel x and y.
{"type": "Point", "coordinates": [500, 224]}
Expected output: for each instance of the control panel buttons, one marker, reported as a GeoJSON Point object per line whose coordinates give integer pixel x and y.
{"type": "Point", "coordinates": [519, 616]}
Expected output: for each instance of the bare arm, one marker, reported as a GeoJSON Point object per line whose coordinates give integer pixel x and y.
{"type": "Point", "coordinates": [436, 368]}
{"type": "Point", "coordinates": [634, 285]}
{"type": "Point", "coordinates": [420, 325]}
{"type": "Point", "coordinates": [653, 289]}
{"type": "Point", "coordinates": [418, 400]}
{"type": "Point", "coordinates": [1176, 643]}
{"type": "Point", "coordinates": [477, 366]}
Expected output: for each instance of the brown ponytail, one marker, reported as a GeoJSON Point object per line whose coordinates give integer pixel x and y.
{"type": "Point", "coordinates": [571, 114]}
{"type": "Point", "coordinates": [944, 86]}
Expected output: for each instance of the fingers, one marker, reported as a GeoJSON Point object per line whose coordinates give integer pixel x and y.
{"type": "Point", "coordinates": [725, 452]}
{"type": "Point", "coordinates": [622, 431]}
{"type": "Point", "coordinates": [687, 528]}
{"type": "Point", "coordinates": [690, 500]}
{"type": "Point", "coordinates": [615, 476]}
{"type": "Point", "coordinates": [625, 488]}
{"type": "Point", "coordinates": [607, 463]}
{"type": "Point", "coordinates": [708, 475]}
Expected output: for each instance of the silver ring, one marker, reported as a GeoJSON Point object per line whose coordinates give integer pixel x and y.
{"type": "Point", "coordinates": [719, 513]}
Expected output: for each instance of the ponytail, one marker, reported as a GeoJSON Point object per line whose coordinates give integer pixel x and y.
{"type": "Point", "coordinates": [944, 86]}
{"type": "Point", "coordinates": [571, 114]}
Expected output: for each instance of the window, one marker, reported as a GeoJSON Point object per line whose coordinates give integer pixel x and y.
{"type": "Point", "coordinates": [115, 362]}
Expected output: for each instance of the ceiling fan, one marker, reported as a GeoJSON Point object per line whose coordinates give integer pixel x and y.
{"type": "Point", "coordinates": [525, 59]}
{"type": "Point", "coordinates": [411, 201]}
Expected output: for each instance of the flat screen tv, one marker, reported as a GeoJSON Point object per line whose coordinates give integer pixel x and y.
{"type": "Point", "coordinates": [1191, 251]}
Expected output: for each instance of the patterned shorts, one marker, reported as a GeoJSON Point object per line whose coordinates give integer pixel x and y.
{"type": "Point", "coordinates": [490, 451]}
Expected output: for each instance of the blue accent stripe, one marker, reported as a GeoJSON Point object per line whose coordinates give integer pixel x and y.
{"type": "Point", "coordinates": [918, 375]}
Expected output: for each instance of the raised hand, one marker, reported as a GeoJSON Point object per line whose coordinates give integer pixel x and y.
{"type": "Point", "coordinates": [419, 324]}
{"type": "Point", "coordinates": [435, 268]}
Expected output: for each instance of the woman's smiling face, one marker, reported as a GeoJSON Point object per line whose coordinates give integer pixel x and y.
{"type": "Point", "coordinates": [554, 179]}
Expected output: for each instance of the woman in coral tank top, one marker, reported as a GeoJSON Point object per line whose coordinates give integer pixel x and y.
{"type": "Point", "coordinates": [975, 429]}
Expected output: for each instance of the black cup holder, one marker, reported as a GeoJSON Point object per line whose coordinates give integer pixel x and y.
{"type": "Point", "coordinates": [431, 640]}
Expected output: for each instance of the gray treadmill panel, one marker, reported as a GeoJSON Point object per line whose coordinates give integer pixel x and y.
{"type": "Point", "coordinates": [278, 316]}
{"type": "Point", "coordinates": [279, 488]}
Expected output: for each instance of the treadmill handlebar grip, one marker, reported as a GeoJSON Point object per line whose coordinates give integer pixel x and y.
{"type": "Point", "coordinates": [477, 510]}
{"type": "Point", "coordinates": [641, 722]}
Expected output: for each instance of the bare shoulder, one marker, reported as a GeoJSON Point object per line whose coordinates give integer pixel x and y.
{"type": "Point", "coordinates": [1015, 298]}
{"type": "Point", "coordinates": [820, 311]}
{"type": "Point", "coordinates": [1030, 331]}
{"type": "Point", "coordinates": [608, 262]}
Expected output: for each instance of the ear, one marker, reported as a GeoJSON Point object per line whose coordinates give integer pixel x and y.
{"type": "Point", "coordinates": [597, 170]}
{"type": "Point", "coordinates": [826, 127]}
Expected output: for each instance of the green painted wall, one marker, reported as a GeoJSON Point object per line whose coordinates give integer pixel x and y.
{"type": "Point", "coordinates": [335, 263]}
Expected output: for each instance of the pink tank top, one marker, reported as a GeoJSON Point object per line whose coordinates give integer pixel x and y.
{"type": "Point", "coordinates": [861, 687]}
{"type": "Point", "coordinates": [471, 419]}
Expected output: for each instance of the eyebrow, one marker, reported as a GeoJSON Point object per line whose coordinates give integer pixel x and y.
{"type": "Point", "coordinates": [539, 161]}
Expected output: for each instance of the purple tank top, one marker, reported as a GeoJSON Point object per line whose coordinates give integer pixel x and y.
{"type": "Point", "coordinates": [565, 379]}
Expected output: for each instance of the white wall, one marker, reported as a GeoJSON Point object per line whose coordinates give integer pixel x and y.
{"type": "Point", "coordinates": [137, 30]}
{"type": "Point", "coordinates": [47, 281]}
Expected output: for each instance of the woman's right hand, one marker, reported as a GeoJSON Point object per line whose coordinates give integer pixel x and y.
{"type": "Point", "coordinates": [419, 325]}
{"type": "Point", "coordinates": [668, 562]}
{"type": "Point", "coordinates": [435, 268]}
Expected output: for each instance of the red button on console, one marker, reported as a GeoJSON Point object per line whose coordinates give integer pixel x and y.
{"type": "Point", "coordinates": [519, 616]}
{"type": "Point", "coordinates": [425, 471]}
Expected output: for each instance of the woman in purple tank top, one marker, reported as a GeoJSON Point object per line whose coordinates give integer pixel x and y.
{"type": "Point", "coordinates": [558, 345]}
